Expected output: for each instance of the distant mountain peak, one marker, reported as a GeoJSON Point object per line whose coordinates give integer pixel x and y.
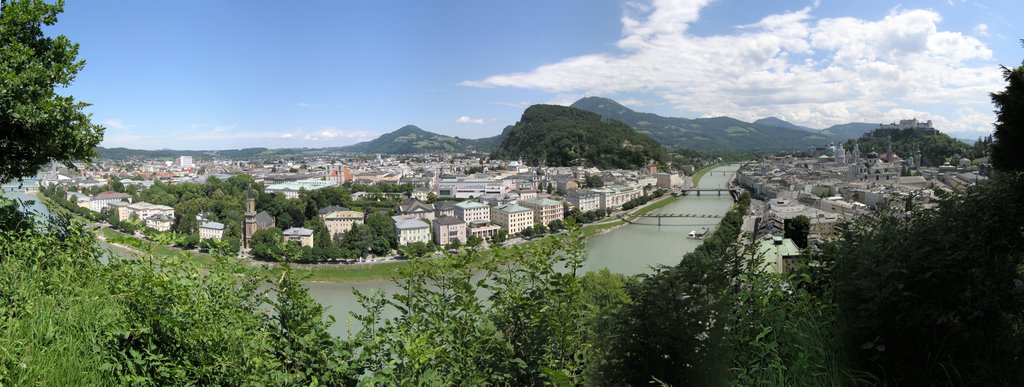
{"type": "Point", "coordinates": [775, 121]}
{"type": "Point", "coordinates": [601, 105]}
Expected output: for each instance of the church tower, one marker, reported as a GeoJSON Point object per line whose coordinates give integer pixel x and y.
{"type": "Point", "coordinates": [840, 154]}
{"type": "Point", "coordinates": [250, 220]}
{"type": "Point", "coordinates": [856, 153]}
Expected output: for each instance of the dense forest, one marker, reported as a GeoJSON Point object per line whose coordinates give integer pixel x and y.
{"type": "Point", "coordinates": [554, 135]}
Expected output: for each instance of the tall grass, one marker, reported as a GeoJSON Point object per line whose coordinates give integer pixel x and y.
{"type": "Point", "coordinates": [54, 312]}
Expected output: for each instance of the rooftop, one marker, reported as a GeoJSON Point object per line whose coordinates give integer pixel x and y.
{"type": "Point", "coordinates": [411, 224]}
{"type": "Point", "coordinates": [298, 231]}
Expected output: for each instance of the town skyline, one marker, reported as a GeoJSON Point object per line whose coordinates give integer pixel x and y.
{"type": "Point", "coordinates": [220, 76]}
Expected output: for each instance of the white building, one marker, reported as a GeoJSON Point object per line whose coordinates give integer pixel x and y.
{"type": "Point", "coordinates": [211, 230]}
{"type": "Point", "coordinates": [583, 200]}
{"type": "Point", "coordinates": [184, 161]}
{"type": "Point", "coordinates": [469, 188]}
{"type": "Point", "coordinates": [340, 219]}
{"type": "Point", "coordinates": [545, 210]}
{"type": "Point", "coordinates": [303, 236]}
{"type": "Point", "coordinates": [471, 211]}
{"type": "Point", "coordinates": [412, 231]}
{"type": "Point", "coordinates": [512, 217]}
{"type": "Point", "coordinates": [100, 201]}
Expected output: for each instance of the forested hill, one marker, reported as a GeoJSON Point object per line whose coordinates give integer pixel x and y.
{"type": "Point", "coordinates": [411, 139]}
{"type": "Point", "coordinates": [935, 148]}
{"type": "Point", "coordinates": [722, 133]}
{"type": "Point", "coordinates": [562, 136]}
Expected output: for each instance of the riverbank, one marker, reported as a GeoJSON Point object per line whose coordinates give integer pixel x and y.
{"type": "Point", "coordinates": [699, 174]}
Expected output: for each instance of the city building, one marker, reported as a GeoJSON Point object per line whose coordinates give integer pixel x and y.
{"type": "Point", "coordinates": [211, 230]}
{"type": "Point", "coordinates": [300, 235]}
{"type": "Point", "coordinates": [120, 209]}
{"type": "Point", "coordinates": [160, 222]}
{"type": "Point", "coordinates": [412, 231]}
{"type": "Point", "coordinates": [338, 174]}
{"type": "Point", "coordinates": [144, 211]}
{"type": "Point", "coordinates": [512, 217]}
{"type": "Point", "coordinates": [780, 255]}
{"type": "Point", "coordinates": [340, 219]}
{"type": "Point", "coordinates": [469, 188]}
{"type": "Point", "coordinates": [448, 229]}
{"type": "Point", "coordinates": [415, 209]}
{"type": "Point", "coordinates": [482, 229]}
{"type": "Point", "coordinates": [545, 210]}
{"type": "Point", "coordinates": [444, 208]}
{"type": "Point", "coordinates": [291, 190]}
{"type": "Point", "coordinates": [101, 200]}
{"type": "Point", "coordinates": [668, 180]}
{"type": "Point", "coordinates": [184, 161]}
{"type": "Point", "coordinates": [470, 211]}
{"type": "Point", "coordinates": [583, 200]}
{"type": "Point", "coordinates": [613, 197]}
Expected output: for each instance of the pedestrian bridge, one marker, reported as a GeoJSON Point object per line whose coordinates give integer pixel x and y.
{"type": "Point", "coordinates": [735, 193]}
{"type": "Point", "coordinates": [663, 216]}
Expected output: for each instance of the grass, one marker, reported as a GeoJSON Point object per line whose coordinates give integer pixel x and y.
{"type": "Point", "coordinates": [699, 174]}
{"type": "Point", "coordinates": [155, 248]}
{"type": "Point", "coordinates": [656, 205]}
{"type": "Point", "coordinates": [591, 230]}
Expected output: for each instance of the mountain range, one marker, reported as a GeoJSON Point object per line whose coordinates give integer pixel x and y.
{"type": "Point", "coordinates": [723, 133]}
{"type": "Point", "coordinates": [714, 134]}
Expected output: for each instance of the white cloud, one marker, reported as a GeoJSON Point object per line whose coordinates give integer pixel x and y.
{"type": "Point", "coordinates": [287, 135]}
{"type": "Point", "coordinates": [115, 123]}
{"type": "Point", "coordinates": [981, 29]}
{"type": "Point", "coordinates": [810, 71]}
{"type": "Point", "coordinates": [467, 120]}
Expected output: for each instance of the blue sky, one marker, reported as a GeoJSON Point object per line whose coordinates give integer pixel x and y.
{"type": "Point", "coordinates": [232, 74]}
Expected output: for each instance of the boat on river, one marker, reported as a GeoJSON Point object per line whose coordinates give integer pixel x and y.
{"type": "Point", "coordinates": [694, 234]}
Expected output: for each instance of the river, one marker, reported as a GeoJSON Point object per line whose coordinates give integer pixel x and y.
{"type": "Point", "coordinates": [632, 249]}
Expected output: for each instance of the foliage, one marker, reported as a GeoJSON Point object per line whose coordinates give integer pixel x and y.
{"type": "Point", "coordinates": [936, 297]}
{"type": "Point", "coordinates": [563, 136]}
{"type": "Point", "coordinates": [68, 319]}
{"type": "Point", "coordinates": [593, 181]}
{"type": "Point", "coordinates": [445, 334]}
{"type": "Point", "coordinates": [797, 229]}
{"type": "Point", "coordinates": [39, 125]}
{"type": "Point", "coordinates": [1009, 135]}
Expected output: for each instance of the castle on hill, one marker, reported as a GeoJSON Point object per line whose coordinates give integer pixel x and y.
{"type": "Point", "coordinates": [893, 129]}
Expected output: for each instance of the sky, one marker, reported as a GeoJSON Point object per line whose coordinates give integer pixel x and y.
{"type": "Point", "coordinates": [234, 74]}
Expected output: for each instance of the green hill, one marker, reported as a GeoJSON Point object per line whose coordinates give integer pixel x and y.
{"type": "Point", "coordinates": [717, 133]}
{"type": "Point", "coordinates": [561, 136]}
{"type": "Point", "coordinates": [411, 139]}
{"type": "Point", "coordinates": [935, 148]}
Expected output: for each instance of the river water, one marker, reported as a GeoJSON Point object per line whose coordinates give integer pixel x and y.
{"type": "Point", "coordinates": [632, 249]}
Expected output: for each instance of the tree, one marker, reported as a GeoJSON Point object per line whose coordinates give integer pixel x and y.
{"type": "Point", "coordinates": [797, 229]}
{"type": "Point", "coordinates": [39, 126]}
{"type": "Point", "coordinates": [593, 181]}
{"type": "Point", "coordinates": [500, 236]}
{"type": "Point", "coordinates": [1009, 135]}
